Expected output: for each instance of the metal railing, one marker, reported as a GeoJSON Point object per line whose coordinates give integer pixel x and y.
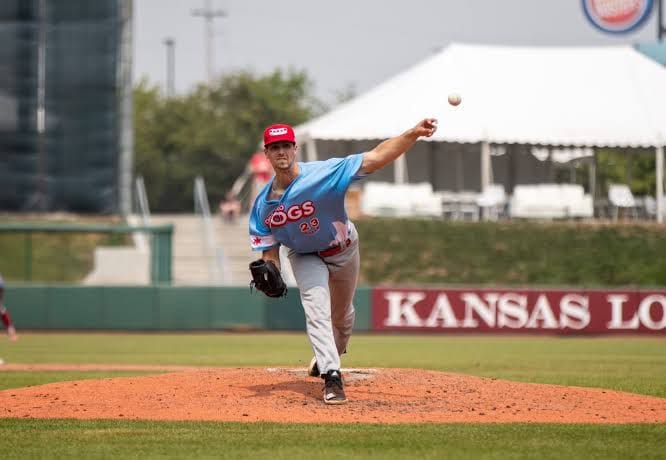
{"type": "Point", "coordinates": [141, 206]}
{"type": "Point", "coordinates": [142, 200]}
{"type": "Point", "coordinates": [218, 268]}
{"type": "Point", "coordinates": [242, 189]}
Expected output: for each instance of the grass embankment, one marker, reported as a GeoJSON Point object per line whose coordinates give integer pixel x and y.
{"type": "Point", "coordinates": [426, 251]}
{"type": "Point", "coordinates": [512, 253]}
{"type": "Point", "coordinates": [53, 257]}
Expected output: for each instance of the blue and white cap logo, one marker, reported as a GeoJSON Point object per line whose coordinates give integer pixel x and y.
{"type": "Point", "coordinates": [617, 16]}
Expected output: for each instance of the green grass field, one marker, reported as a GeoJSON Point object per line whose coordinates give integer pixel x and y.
{"type": "Point", "coordinates": [625, 363]}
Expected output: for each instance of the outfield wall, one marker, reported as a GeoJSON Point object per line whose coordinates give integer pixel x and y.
{"type": "Point", "coordinates": [160, 307]}
{"type": "Point", "coordinates": [381, 309]}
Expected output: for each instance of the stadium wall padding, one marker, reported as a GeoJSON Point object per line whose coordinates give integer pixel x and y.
{"type": "Point", "coordinates": [161, 307]}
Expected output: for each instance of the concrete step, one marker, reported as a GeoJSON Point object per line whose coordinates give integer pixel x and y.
{"type": "Point", "coordinates": [191, 260]}
{"type": "Point", "coordinates": [234, 240]}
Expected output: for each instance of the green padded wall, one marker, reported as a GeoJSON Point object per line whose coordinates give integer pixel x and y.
{"type": "Point", "coordinates": [75, 308]}
{"type": "Point", "coordinates": [362, 306]}
{"type": "Point", "coordinates": [129, 307]}
{"type": "Point", "coordinates": [233, 308]}
{"type": "Point", "coordinates": [161, 307]}
{"type": "Point", "coordinates": [29, 306]}
{"type": "Point", "coordinates": [183, 308]}
{"type": "Point", "coordinates": [285, 313]}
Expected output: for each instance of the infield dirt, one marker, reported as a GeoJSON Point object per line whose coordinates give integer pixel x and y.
{"type": "Point", "coordinates": [290, 396]}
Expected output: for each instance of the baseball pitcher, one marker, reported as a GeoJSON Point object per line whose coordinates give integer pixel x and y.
{"type": "Point", "coordinates": [302, 208]}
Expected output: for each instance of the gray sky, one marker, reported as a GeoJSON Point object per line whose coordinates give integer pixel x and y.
{"type": "Point", "coordinates": [348, 42]}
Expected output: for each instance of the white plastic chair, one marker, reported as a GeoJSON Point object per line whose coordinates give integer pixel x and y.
{"type": "Point", "coordinates": [577, 203]}
{"type": "Point", "coordinates": [448, 203]}
{"type": "Point", "coordinates": [377, 200]}
{"type": "Point", "coordinates": [620, 196]}
{"type": "Point", "coordinates": [424, 202]}
{"type": "Point", "coordinates": [492, 201]}
{"type": "Point", "coordinates": [467, 204]}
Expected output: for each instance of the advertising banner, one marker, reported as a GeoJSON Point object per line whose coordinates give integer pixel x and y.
{"type": "Point", "coordinates": [505, 310]}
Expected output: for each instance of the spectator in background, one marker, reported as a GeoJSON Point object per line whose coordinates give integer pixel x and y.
{"type": "Point", "coordinates": [262, 172]}
{"type": "Point", "coordinates": [4, 314]}
{"type": "Point", "coordinates": [230, 208]}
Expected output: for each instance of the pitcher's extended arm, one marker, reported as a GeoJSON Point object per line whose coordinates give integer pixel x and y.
{"type": "Point", "coordinates": [390, 149]}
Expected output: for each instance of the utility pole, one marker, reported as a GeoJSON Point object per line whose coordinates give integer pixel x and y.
{"type": "Point", "coordinates": [171, 67]}
{"type": "Point", "coordinates": [209, 15]}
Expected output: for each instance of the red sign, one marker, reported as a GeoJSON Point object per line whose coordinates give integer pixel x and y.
{"type": "Point", "coordinates": [519, 310]}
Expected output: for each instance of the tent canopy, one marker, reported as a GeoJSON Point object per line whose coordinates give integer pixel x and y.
{"type": "Point", "coordinates": [571, 96]}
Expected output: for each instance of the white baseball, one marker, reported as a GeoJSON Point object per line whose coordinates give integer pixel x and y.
{"type": "Point", "coordinates": [454, 99]}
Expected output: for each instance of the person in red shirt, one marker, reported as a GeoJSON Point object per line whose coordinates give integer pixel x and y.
{"type": "Point", "coordinates": [261, 167]}
{"type": "Point", "coordinates": [262, 172]}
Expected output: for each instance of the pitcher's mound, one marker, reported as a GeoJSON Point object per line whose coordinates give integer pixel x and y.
{"type": "Point", "coordinates": [289, 396]}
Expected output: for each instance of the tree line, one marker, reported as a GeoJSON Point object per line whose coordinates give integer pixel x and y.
{"type": "Point", "coordinates": [211, 132]}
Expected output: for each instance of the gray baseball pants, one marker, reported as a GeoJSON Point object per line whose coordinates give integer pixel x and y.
{"type": "Point", "coordinates": [327, 286]}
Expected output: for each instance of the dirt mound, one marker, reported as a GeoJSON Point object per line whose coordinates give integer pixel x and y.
{"type": "Point", "coordinates": [288, 395]}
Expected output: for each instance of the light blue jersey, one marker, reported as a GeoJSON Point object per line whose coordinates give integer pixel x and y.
{"type": "Point", "coordinates": [311, 214]}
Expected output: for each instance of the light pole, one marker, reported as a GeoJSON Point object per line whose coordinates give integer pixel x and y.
{"type": "Point", "coordinates": [170, 44]}
{"type": "Point", "coordinates": [209, 15]}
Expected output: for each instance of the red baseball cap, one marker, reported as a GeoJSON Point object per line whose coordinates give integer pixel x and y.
{"type": "Point", "coordinates": [279, 132]}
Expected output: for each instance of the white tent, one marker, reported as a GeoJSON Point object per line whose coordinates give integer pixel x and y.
{"type": "Point", "coordinates": [551, 96]}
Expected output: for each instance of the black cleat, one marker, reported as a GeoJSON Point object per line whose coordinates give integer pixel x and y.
{"type": "Point", "coordinates": [333, 391]}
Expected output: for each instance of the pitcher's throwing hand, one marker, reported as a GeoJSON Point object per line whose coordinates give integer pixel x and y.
{"type": "Point", "coordinates": [426, 127]}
